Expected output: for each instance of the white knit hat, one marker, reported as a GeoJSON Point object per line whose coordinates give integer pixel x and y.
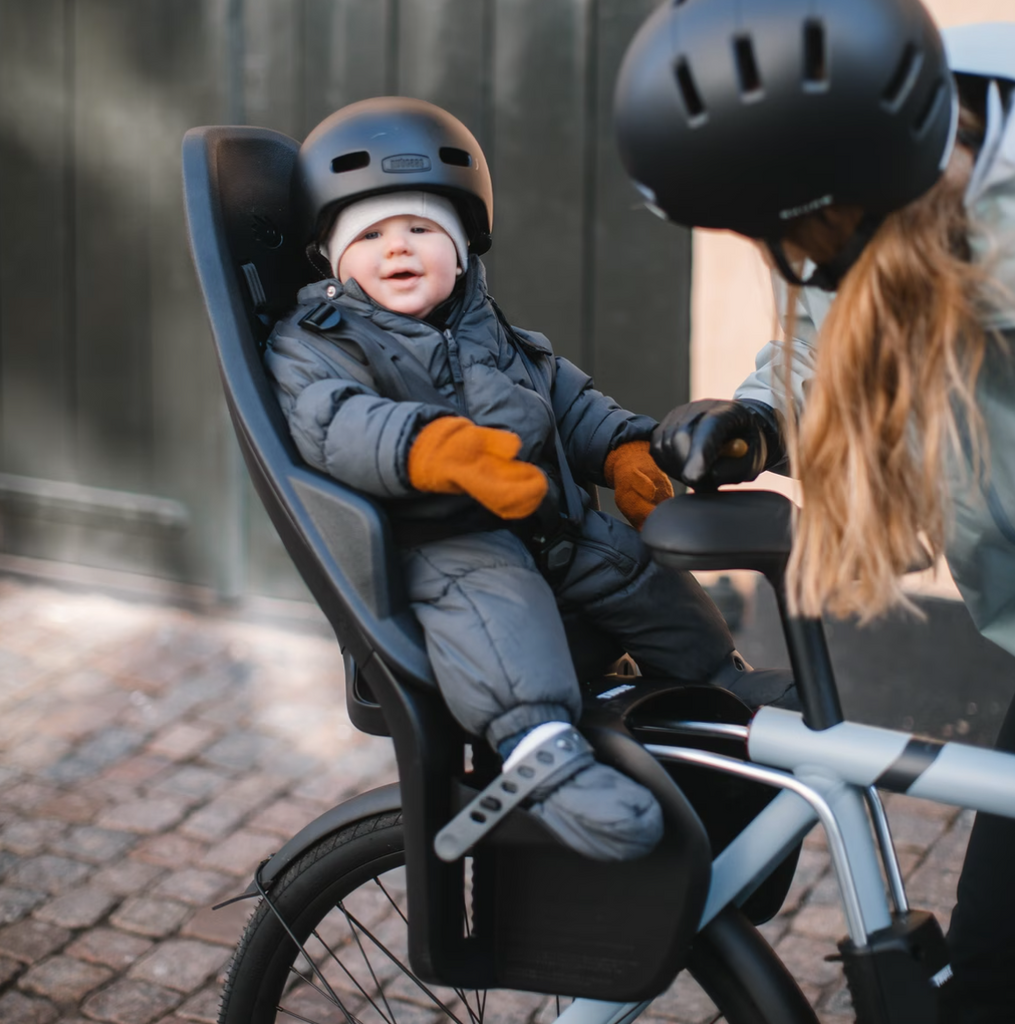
{"type": "Point", "coordinates": [357, 217]}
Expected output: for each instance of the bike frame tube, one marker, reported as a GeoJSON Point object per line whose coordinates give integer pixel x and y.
{"type": "Point", "coordinates": [835, 771]}
{"type": "Point", "coordinates": [866, 755]}
{"type": "Point", "coordinates": [888, 856]}
{"type": "Point", "coordinates": [721, 730]}
{"type": "Point", "coordinates": [757, 851]}
{"type": "Point", "coordinates": [840, 810]}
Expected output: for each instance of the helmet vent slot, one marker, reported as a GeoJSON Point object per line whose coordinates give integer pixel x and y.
{"type": "Point", "coordinates": [696, 113]}
{"type": "Point", "coordinates": [455, 157]}
{"type": "Point", "coordinates": [903, 78]}
{"type": "Point", "coordinates": [747, 68]}
{"type": "Point", "coordinates": [815, 57]}
{"type": "Point", "coordinates": [930, 108]}
{"type": "Point", "coordinates": [350, 161]}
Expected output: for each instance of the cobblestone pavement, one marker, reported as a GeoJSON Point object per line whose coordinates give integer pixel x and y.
{"type": "Point", "coordinates": [151, 756]}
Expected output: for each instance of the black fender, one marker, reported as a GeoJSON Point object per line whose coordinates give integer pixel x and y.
{"type": "Point", "coordinates": [382, 800]}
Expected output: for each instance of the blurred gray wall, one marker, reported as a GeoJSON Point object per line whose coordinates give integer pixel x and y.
{"type": "Point", "coordinates": [114, 450]}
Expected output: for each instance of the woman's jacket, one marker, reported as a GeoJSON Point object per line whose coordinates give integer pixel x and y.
{"type": "Point", "coordinates": [981, 543]}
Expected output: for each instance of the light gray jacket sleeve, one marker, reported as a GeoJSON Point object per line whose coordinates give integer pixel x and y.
{"type": "Point", "coordinates": [766, 384]}
{"type": "Point", "coordinates": [339, 423]}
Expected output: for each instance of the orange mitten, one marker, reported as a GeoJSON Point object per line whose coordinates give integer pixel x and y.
{"type": "Point", "coordinates": [452, 455]}
{"type": "Point", "coordinates": [638, 483]}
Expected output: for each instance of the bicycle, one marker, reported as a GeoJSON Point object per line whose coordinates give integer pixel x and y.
{"type": "Point", "coordinates": [520, 913]}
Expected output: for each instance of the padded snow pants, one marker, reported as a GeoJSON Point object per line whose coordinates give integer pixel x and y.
{"type": "Point", "coordinates": [493, 623]}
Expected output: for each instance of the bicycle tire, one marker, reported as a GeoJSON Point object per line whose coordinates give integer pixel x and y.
{"type": "Point", "coordinates": [334, 900]}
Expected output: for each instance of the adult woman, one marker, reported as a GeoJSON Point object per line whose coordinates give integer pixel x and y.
{"type": "Point", "coordinates": [865, 169]}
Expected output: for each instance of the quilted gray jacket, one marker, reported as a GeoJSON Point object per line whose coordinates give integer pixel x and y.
{"type": "Point", "coordinates": [496, 376]}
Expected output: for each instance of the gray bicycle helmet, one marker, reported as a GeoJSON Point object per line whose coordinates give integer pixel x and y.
{"type": "Point", "coordinates": [746, 115]}
{"type": "Point", "coordinates": [388, 144]}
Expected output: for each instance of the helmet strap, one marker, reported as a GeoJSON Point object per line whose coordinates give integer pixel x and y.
{"type": "Point", "coordinates": [827, 276]}
{"type": "Point", "coordinates": [319, 261]}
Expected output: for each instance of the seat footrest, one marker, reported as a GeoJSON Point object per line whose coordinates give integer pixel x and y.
{"type": "Point", "coordinates": [507, 791]}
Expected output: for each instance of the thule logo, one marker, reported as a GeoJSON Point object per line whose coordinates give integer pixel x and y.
{"type": "Point", "coordinates": [405, 163]}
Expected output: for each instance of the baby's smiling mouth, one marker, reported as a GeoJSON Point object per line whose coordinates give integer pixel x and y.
{"type": "Point", "coordinates": [403, 275]}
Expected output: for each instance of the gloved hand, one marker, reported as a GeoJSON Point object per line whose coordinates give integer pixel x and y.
{"type": "Point", "coordinates": [638, 483]}
{"type": "Point", "coordinates": [710, 442]}
{"type": "Point", "coordinates": [452, 455]}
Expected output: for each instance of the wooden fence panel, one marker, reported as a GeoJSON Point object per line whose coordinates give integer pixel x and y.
{"type": "Point", "coordinates": [639, 278]}
{"type": "Point", "coordinates": [36, 356]}
{"type": "Point", "coordinates": [194, 457]}
{"type": "Point", "coordinates": [346, 49]}
{"type": "Point", "coordinates": [445, 56]}
{"type": "Point", "coordinates": [540, 68]}
{"type": "Point", "coordinates": [114, 102]}
{"type": "Point", "coordinates": [115, 449]}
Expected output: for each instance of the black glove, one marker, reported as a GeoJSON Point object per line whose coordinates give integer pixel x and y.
{"type": "Point", "coordinates": [708, 443]}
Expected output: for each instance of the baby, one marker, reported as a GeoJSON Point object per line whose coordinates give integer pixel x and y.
{"type": "Point", "coordinates": [400, 376]}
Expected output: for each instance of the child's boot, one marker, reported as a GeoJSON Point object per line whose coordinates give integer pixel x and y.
{"type": "Point", "coordinates": [591, 807]}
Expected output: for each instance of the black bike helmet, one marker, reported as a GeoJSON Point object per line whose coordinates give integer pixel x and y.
{"type": "Point", "coordinates": [388, 144]}
{"type": "Point", "coordinates": [744, 114]}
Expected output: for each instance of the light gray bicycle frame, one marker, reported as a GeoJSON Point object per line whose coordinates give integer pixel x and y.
{"type": "Point", "coordinates": [827, 776]}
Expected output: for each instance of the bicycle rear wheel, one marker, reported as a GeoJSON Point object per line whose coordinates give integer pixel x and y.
{"type": "Point", "coordinates": [333, 951]}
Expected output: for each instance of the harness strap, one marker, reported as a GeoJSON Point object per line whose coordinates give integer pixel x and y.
{"type": "Point", "coordinates": [827, 276]}
{"type": "Point", "coordinates": [399, 374]}
{"type": "Point", "coordinates": [572, 499]}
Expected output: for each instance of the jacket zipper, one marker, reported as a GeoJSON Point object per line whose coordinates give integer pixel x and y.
{"type": "Point", "coordinates": [456, 369]}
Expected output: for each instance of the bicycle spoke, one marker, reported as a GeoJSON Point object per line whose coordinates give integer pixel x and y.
{"type": "Point", "coordinates": [393, 902]}
{"type": "Point", "coordinates": [398, 963]}
{"type": "Point", "coordinates": [391, 1016]}
{"type": "Point", "coordinates": [307, 1020]}
{"type": "Point", "coordinates": [458, 992]}
{"type": "Point", "coordinates": [359, 987]}
{"type": "Point", "coordinates": [472, 1015]}
{"type": "Point", "coordinates": [308, 980]}
{"type": "Point", "coordinates": [461, 992]}
{"type": "Point", "coordinates": [299, 945]}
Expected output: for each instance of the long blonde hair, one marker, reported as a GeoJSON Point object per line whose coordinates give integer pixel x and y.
{"type": "Point", "coordinates": [898, 359]}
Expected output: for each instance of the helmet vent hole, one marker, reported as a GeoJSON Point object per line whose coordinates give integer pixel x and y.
{"type": "Point", "coordinates": [903, 78]}
{"type": "Point", "coordinates": [350, 161]}
{"type": "Point", "coordinates": [455, 157]}
{"type": "Point", "coordinates": [696, 113]}
{"type": "Point", "coordinates": [930, 108]}
{"type": "Point", "coordinates": [815, 58]}
{"type": "Point", "coordinates": [747, 67]}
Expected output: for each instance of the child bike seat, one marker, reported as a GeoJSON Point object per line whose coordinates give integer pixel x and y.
{"type": "Point", "coordinates": [543, 917]}
{"type": "Point", "coordinates": [236, 186]}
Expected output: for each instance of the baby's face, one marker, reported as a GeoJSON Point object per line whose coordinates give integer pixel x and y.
{"type": "Point", "coordinates": [405, 263]}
